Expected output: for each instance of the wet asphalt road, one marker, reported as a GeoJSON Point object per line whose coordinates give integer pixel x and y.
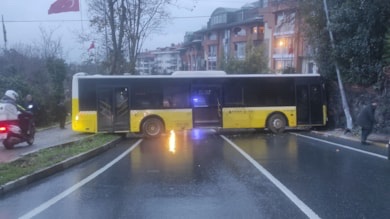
{"type": "Point", "coordinates": [203, 175]}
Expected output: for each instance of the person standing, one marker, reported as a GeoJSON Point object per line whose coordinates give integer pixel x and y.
{"type": "Point", "coordinates": [62, 112]}
{"type": "Point", "coordinates": [366, 120]}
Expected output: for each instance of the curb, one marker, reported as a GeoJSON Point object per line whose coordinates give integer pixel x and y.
{"type": "Point", "coordinates": [381, 141]}
{"type": "Point", "coordinates": [40, 174]}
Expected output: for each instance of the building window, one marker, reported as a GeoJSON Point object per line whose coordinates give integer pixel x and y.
{"type": "Point", "coordinates": [212, 65]}
{"type": "Point", "coordinates": [239, 50]}
{"type": "Point", "coordinates": [238, 31]}
{"type": "Point", "coordinates": [285, 23]}
{"type": "Point", "coordinates": [213, 50]}
{"type": "Point", "coordinates": [212, 36]}
{"type": "Point", "coordinates": [254, 30]}
{"type": "Point", "coordinates": [284, 46]}
{"type": "Point", "coordinates": [218, 19]}
{"type": "Point", "coordinates": [281, 65]}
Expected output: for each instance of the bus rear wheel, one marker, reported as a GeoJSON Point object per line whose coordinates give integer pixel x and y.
{"type": "Point", "coordinates": [152, 127]}
{"type": "Point", "coordinates": [276, 123]}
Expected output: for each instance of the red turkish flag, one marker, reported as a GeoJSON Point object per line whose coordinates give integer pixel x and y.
{"type": "Point", "coordinates": [91, 46]}
{"type": "Point", "coordinates": [64, 6]}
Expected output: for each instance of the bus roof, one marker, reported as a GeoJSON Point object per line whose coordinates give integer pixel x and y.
{"type": "Point", "coordinates": [196, 74]}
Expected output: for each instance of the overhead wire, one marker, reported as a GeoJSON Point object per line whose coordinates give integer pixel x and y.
{"type": "Point", "coordinates": [82, 20]}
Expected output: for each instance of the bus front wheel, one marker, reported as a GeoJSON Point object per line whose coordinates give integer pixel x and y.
{"type": "Point", "coordinates": [277, 123]}
{"type": "Point", "coordinates": [152, 127]}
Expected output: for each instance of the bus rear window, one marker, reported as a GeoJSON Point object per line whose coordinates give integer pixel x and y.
{"type": "Point", "coordinates": [87, 95]}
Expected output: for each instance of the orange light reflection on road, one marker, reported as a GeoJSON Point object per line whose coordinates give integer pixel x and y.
{"type": "Point", "coordinates": [172, 142]}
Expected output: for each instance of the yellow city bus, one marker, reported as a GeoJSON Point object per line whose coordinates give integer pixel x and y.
{"type": "Point", "coordinates": [152, 105]}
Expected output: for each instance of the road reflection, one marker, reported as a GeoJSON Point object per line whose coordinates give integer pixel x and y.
{"type": "Point", "coordinates": [268, 147]}
{"type": "Point", "coordinates": [179, 156]}
{"type": "Point", "coordinates": [172, 142]}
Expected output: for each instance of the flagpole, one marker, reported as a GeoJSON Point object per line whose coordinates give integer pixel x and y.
{"type": "Point", "coordinates": [105, 28]}
{"type": "Point", "coordinates": [4, 33]}
{"type": "Point", "coordinates": [81, 17]}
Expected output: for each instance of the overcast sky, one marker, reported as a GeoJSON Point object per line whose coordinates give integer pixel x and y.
{"type": "Point", "coordinates": [24, 18]}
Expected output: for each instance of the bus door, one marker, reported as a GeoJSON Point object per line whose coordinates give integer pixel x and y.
{"type": "Point", "coordinates": [206, 106]}
{"type": "Point", "coordinates": [309, 104]}
{"type": "Point", "coordinates": [113, 109]}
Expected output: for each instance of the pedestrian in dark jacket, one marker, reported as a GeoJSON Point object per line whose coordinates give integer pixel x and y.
{"type": "Point", "coordinates": [366, 120]}
{"type": "Point", "coordinates": [62, 112]}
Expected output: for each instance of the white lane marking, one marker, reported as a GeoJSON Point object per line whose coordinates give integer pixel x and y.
{"type": "Point", "coordinates": [76, 186]}
{"type": "Point", "coordinates": [300, 204]}
{"type": "Point", "coordinates": [342, 146]}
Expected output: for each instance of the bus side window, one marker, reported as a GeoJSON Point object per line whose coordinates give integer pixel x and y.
{"type": "Point", "coordinates": [166, 103]}
{"type": "Point", "coordinates": [146, 99]}
{"type": "Point", "coordinates": [139, 101]}
{"type": "Point", "coordinates": [175, 96]}
{"type": "Point", "coordinates": [234, 96]}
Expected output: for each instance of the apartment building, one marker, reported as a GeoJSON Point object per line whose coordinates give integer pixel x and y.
{"type": "Point", "coordinates": [192, 55]}
{"type": "Point", "coordinates": [162, 61]}
{"type": "Point", "coordinates": [271, 23]}
{"type": "Point", "coordinates": [229, 31]}
{"type": "Point", "coordinates": [145, 64]}
{"type": "Point", "coordinates": [288, 51]}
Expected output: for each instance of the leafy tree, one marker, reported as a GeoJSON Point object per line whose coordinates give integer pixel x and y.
{"type": "Point", "coordinates": [386, 50]}
{"type": "Point", "coordinates": [25, 70]}
{"type": "Point", "coordinates": [57, 71]}
{"type": "Point", "coordinates": [354, 46]}
{"type": "Point", "coordinates": [255, 61]}
{"type": "Point", "coordinates": [359, 29]}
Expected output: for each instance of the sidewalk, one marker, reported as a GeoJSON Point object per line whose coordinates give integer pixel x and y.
{"type": "Point", "coordinates": [380, 139]}
{"type": "Point", "coordinates": [43, 139]}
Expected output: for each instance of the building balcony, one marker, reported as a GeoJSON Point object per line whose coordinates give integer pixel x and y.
{"type": "Point", "coordinates": [283, 56]}
{"type": "Point", "coordinates": [254, 37]}
{"type": "Point", "coordinates": [237, 38]}
{"type": "Point", "coordinates": [212, 58]}
{"type": "Point", "coordinates": [210, 42]}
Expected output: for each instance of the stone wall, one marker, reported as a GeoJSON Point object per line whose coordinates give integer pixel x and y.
{"type": "Point", "coordinates": [357, 98]}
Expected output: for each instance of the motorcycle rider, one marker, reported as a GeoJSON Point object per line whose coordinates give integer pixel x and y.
{"type": "Point", "coordinates": [24, 116]}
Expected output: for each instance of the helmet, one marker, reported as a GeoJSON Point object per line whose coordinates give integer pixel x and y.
{"type": "Point", "coordinates": [11, 94]}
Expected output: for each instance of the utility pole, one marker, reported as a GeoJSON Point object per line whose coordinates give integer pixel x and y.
{"type": "Point", "coordinates": [341, 87]}
{"type": "Point", "coordinates": [105, 28]}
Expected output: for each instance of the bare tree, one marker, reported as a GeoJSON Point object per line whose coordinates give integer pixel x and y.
{"type": "Point", "coordinates": [144, 17]}
{"type": "Point", "coordinates": [49, 46]}
{"type": "Point", "coordinates": [126, 24]}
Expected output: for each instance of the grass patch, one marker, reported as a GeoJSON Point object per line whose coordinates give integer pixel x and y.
{"type": "Point", "coordinates": [49, 156]}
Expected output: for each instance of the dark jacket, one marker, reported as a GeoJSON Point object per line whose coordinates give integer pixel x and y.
{"type": "Point", "coordinates": [366, 118]}
{"type": "Point", "coordinates": [61, 110]}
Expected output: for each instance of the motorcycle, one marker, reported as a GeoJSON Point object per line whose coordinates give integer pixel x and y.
{"type": "Point", "coordinates": [11, 132]}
